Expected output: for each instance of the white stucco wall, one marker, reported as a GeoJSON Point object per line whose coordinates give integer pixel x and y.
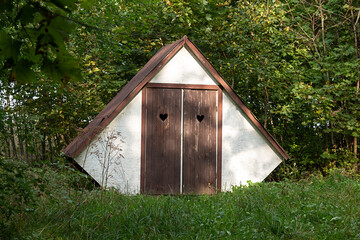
{"type": "Point", "coordinates": [246, 154]}
{"type": "Point", "coordinates": [122, 139]}
{"type": "Point", "coordinates": [183, 68]}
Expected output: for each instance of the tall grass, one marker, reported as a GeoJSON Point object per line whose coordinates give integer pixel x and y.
{"type": "Point", "coordinates": [317, 208]}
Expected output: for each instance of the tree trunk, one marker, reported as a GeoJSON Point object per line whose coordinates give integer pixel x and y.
{"type": "Point", "coordinates": [20, 137]}
{"type": "Point", "coordinates": [43, 148]}
{"type": "Point", "coordinates": [266, 102]}
{"type": "Point", "coordinates": [355, 23]}
{"type": "Point", "coordinates": [21, 147]}
{"type": "Point", "coordinates": [8, 149]}
{"type": "Point", "coordinates": [323, 39]}
{"type": "Point", "coordinates": [51, 150]}
{"type": "Point", "coordinates": [26, 151]}
{"type": "Point", "coordinates": [12, 138]}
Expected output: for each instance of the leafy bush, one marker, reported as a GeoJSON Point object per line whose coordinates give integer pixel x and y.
{"type": "Point", "coordinates": [19, 188]}
{"type": "Point", "coordinates": [64, 174]}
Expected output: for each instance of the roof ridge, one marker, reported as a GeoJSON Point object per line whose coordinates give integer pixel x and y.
{"type": "Point", "coordinates": [153, 66]}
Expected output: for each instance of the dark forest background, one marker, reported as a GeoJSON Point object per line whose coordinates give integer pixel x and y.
{"type": "Point", "coordinates": [295, 64]}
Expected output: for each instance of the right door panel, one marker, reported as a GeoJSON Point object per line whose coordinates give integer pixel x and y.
{"type": "Point", "coordinates": [199, 141]}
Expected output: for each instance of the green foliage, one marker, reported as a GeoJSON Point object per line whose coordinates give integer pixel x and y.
{"type": "Point", "coordinates": [33, 38]}
{"type": "Point", "coordinates": [25, 188]}
{"type": "Point", "coordinates": [295, 64]}
{"type": "Point", "coordinates": [19, 192]}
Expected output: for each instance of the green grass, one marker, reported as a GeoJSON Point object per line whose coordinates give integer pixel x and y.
{"type": "Point", "coordinates": [317, 208]}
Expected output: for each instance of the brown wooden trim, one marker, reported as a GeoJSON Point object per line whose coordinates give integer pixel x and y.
{"type": "Point", "coordinates": [256, 122]}
{"type": "Point", "coordinates": [107, 120]}
{"type": "Point", "coordinates": [143, 138]}
{"type": "Point", "coordinates": [147, 78]}
{"type": "Point", "coordinates": [75, 148]}
{"type": "Point", "coordinates": [219, 156]}
{"type": "Point", "coordinates": [86, 142]}
{"type": "Point", "coordinates": [183, 86]}
{"type": "Point", "coordinates": [236, 98]}
{"type": "Point", "coordinates": [161, 65]}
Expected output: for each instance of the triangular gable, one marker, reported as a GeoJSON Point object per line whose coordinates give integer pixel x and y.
{"type": "Point", "coordinates": [135, 85]}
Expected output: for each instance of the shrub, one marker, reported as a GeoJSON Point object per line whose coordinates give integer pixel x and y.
{"type": "Point", "coordinates": [18, 194]}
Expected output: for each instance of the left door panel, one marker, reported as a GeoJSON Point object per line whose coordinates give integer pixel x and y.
{"type": "Point", "coordinates": [162, 141]}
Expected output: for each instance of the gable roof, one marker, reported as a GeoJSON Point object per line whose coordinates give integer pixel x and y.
{"type": "Point", "coordinates": [152, 67]}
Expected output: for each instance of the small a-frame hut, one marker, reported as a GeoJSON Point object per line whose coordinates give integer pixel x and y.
{"type": "Point", "coordinates": [176, 128]}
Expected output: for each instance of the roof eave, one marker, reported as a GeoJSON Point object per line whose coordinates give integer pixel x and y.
{"type": "Point", "coordinates": [134, 86]}
{"type": "Point", "coordinates": [153, 66]}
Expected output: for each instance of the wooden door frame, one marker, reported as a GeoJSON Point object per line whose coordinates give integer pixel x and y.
{"type": "Point", "coordinates": [219, 124]}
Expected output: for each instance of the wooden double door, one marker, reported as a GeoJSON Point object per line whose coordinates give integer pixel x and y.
{"type": "Point", "coordinates": [180, 147]}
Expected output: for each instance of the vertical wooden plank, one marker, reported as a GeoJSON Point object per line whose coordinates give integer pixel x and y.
{"type": "Point", "coordinates": [143, 139]}
{"type": "Point", "coordinates": [199, 153]}
{"type": "Point", "coordinates": [163, 136]}
{"type": "Point", "coordinates": [209, 141]}
{"type": "Point", "coordinates": [150, 101]}
{"type": "Point", "coordinates": [190, 148]}
{"type": "Point", "coordinates": [173, 139]}
{"type": "Point", "coordinates": [219, 139]}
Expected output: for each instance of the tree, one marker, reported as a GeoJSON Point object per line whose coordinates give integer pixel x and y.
{"type": "Point", "coordinates": [330, 74]}
{"type": "Point", "coordinates": [33, 40]}
{"type": "Point", "coordinates": [37, 78]}
{"type": "Point", "coordinates": [295, 64]}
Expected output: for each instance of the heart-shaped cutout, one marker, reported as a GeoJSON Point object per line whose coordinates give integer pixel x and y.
{"type": "Point", "coordinates": [200, 117]}
{"type": "Point", "coordinates": [163, 116]}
